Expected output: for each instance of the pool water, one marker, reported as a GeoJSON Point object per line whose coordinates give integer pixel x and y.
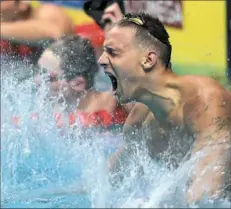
{"type": "Point", "coordinates": [46, 167]}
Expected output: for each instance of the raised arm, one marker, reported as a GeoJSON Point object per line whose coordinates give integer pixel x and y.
{"type": "Point", "coordinates": [49, 22]}
{"type": "Point", "coordinates": [132, 132]}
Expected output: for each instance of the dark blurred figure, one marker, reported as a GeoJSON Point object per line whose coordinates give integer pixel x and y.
{"type": "Point", "coordinates": [105, 12]}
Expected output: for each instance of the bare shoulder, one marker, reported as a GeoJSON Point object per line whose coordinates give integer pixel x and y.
{"type": "Point", "coordinates": [199, 79]}
{"type": "Point", "coordinates": [206, 88]}
{"type": "Point", "coordinates": [105, 95]}
{"type": "Point", "coordinates": [207, 101]}
{"type": "Point", "coordinates": [106, 99]}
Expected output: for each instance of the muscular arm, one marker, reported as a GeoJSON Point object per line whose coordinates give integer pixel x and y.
{"type": "Point", "coordinates": [211, 173]}
{"type": "Point", "coordinates": [48, 22]}
{"type": "Point", "coordinates": [128, 107]}
{"type": "Point", "coordinates": [132, 129]}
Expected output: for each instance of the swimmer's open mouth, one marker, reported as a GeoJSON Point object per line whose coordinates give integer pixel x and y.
{"type": "Point", "coordinates": [113, 80]}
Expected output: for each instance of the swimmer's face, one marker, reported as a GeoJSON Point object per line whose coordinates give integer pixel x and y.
{"type": "Point", "coordinates": [126, 58]}
{"type": "Point", "coordinates": [58, 84]}
{"type": "Point", "coordinates": [11, 10]}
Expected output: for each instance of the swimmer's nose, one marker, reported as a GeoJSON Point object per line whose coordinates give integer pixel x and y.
{"type": "Point", "coordinates": [104, 66]}
{"type": "Point", "coordinates": [103, 61]}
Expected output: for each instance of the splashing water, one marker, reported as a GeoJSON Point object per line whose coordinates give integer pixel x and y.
{"type": "Point", "coordinates": [43, 166]}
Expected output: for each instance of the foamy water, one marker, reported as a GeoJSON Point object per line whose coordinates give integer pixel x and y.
{"type": "Point", "coordinates": [43, 166]}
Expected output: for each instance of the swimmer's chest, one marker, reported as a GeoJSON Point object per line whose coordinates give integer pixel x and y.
{"type": "Point", "coordinates": [172, 119]}
{"type": "Point", "coordinates": [172, 144]}
{"type": "Point", "coordinates": [171, 136]}
{"type": "Point", "coordinates": [172, 116]}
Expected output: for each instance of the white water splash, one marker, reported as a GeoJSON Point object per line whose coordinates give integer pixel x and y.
{"type": "Point", "coordinates": [42, 168]}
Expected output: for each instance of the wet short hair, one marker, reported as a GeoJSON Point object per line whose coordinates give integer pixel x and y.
{"type": "Point", "coordinates": [77, 57]}
{"type": "Point", "coordinates": [150, 32]}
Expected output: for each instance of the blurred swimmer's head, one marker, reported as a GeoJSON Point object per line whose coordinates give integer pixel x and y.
{"type": "Point", "coordinates": [71, 64]}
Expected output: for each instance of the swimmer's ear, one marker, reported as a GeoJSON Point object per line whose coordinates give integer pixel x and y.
{"type": "Point", "coordinates": [149, 61]}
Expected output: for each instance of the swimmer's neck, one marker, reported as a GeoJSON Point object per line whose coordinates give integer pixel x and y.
{"type": "Point", "coordinates": [160, 92]}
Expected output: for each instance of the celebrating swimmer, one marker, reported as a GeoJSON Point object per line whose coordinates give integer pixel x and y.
{"type": "Point", "coordinates": [137, 52]}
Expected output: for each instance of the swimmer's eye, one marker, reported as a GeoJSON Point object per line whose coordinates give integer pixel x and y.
{"type": "Point", "coordinates": [110, 51]}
